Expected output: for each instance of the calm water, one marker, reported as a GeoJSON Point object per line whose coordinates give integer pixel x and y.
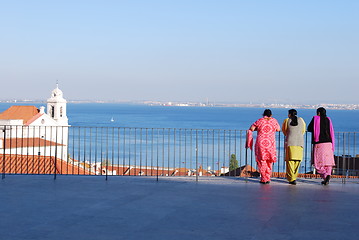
{"type": "Point", "coordinates": [96, 114]}
{"type": "Point", "coordinates": [192, 117]}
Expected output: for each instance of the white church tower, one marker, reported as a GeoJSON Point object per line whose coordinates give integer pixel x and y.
{"type": "Point", "coordinates": [56, 107]}
{"type": "Point", "coordinates": [31, 132]}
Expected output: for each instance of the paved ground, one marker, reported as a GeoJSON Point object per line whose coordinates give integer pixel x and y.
{"type": "Point", "coordinates": [76, 207]}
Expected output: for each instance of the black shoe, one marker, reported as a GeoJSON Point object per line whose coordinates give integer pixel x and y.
{"type": "Point", "coordinates": [262, 182]}
{"type": "Point", "coordinates": [327, 180]}
{"type": "Point", "coordinates": [293, 182]}
{"type": "Point", "coordinates": [267, 182]}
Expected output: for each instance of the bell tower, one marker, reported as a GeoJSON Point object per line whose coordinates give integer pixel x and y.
{"type": "Point", "coordinates": [56, 107]}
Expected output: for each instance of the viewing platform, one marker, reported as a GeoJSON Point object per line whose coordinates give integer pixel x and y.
{"type": "Point", "coordinates": [133, 207]}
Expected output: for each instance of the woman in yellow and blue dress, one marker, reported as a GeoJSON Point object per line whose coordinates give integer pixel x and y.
{"type": "Point", "coordinates": [293, 129]}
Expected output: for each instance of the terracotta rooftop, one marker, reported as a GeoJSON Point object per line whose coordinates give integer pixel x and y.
{"type": "Point", "coordinates": [28, 143]}
{"type": "Point", "coordinates": [25, 113]}
{"type": "Point", "coordinates": [31, 164]}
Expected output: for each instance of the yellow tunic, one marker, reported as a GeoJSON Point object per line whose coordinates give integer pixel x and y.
{"type": "Point", "coordinates": [293, 156]}
{"type": "Point", "coordinates": [292, 152]}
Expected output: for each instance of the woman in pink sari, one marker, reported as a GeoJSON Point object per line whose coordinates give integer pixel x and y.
{"type": "Point", "coordinates": [322, 131]}
{"type": "Point", "coordinates": [265, 147]}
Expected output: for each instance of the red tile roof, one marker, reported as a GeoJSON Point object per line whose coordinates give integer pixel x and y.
{"type": "Point", "coordinates": [25, 113]}
{"type": "Point", "coordinates": [31, 120]}
{"type": "Point", "coordinates": [29, 143]}
{"type": "Point", "coordinates": [30, 164]}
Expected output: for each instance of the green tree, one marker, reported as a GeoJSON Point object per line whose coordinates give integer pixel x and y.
{"type": "Point", "coordinates": [233, 163]}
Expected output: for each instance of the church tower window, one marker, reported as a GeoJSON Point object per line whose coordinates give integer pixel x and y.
{"type": "Point", "coordinates": [52, 111]}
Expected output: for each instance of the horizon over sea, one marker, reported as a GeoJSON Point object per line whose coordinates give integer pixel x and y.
{"type": "Point", "coordinates": [145, 116]}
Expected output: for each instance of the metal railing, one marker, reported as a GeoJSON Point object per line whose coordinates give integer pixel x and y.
{"type": "Point", "coordinates": [111, 151]}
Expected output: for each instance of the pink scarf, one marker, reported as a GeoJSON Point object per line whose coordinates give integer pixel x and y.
{"type": "Point", "coordinates": [249, 139]}
{"type": "Point", "coordinates": [317, 130]}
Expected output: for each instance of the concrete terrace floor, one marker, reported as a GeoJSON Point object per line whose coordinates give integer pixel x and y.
{"type": "Point", "coordinates": [88, 207]}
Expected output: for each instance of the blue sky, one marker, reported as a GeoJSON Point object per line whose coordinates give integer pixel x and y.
{"type": "Point", "coordinates": [188, 50]}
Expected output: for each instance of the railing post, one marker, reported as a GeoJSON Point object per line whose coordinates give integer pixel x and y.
{"type": "Point", "coordinates": [197, 173]}
{"type": "Point", "coordinates": [180, 150]}
{"type": "Point", "coordinates": [152, 148]}
{"type": "Point", "coordinates": [107, 156]}
{"type": "Point", "coordinates": [4, 148]}
{"type": "Point", "coordinates": [354, 160]}
{"type": "Point", "coordinates": [174, 151]}
{"type": "Point", "coordinates": [219, 157]}
{"type": "Point", "coordinates": [157, 154]}
{"type": "Point", "coordinates": [306, 154]}
{"type": "Point", "coordinates": [344, 155]}
{"type": "Point", "coordinates": [252, 163]}
{"type": "Point", "coordinates": [202, 154]}
{"type": "Point", "coordinates": [245, 166]}
{"type": "Point", "coordinates": [163, 152]}
{"type": "Point", "coordinates": [140, 171]}
{"type": "Point", "coordinates": [135, 151]}
{"type": "Point", "coordinates": [278, 162]}
{"type": "Point", "coordinates": [168, 151]}
{"type": "Point", "coordinates": [56, 144]}
{"type": "Point", "coordinates": [224, 154]}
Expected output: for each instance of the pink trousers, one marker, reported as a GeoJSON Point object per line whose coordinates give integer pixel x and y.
{"type": "Point", "coordinates": [265, 169]}
{"type": "Point", "coordinates": [323, 159]}
{"type": "Point", "coordinates": [324, 171]}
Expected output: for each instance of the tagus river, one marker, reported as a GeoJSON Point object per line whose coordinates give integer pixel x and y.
{"type": "Point", "coordinates": [192, 117]}
{"type": "Point", "coordinates": [127, 115]}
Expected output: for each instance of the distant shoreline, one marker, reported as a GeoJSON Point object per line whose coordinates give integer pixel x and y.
{"type": "Point", "coordinates": [332, 106]}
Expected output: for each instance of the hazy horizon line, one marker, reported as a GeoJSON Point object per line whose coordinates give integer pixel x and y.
{"type": "Point", "coordinates": [191, 103]}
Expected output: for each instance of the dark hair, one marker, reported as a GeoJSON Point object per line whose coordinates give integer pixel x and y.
{"type": "Point", "coordinates": [267, 113]}
{"type": "Point", "coordinates": [322, 112]}
{"type": "Point", "coordinates": [293, 116]}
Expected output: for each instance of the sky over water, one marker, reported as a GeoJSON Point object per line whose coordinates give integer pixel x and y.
{"type": "Point", "coordinates": [233, 51]}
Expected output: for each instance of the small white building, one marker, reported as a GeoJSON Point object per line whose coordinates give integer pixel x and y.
{"type": "Point", "coordinates": [27, 130]}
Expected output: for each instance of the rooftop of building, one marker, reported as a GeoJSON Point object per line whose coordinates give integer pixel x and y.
{"type": "Point", "coordinates": [31, 164]}
{"type": "Point", "coordinates": [89, 207]}
{"type": "Point", "coordinates": [25, 113]}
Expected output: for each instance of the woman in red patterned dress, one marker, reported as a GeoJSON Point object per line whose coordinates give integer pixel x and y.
{"type": "Point", "coordinates": [265, 147]}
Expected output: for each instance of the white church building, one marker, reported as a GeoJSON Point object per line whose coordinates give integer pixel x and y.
{"type": "Point", "coordinates": [27, 130]}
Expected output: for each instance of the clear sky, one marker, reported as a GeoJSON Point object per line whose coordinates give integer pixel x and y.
{"type": "Point", "coordinates": [225, 50]}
